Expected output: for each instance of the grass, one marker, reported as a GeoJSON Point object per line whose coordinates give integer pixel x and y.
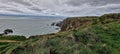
{"type": "Point", "coordinates": [95, 38]}
{"type": "Point", "coordinates": [16, 38]}
{"type": "Point", "coordinates": [92, 40]}
{"type": "Point", "coordinates": [3, 43]}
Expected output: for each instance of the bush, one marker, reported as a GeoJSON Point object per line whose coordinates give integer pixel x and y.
{"type": "Point", "coordinates": [86, 37]}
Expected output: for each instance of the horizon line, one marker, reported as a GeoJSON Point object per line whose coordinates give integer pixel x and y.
{"type": "Point", "coordinates": [25, 15]}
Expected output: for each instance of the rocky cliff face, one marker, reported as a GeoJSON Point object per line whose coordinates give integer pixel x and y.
{"type": "Point", "coordinates": [106, 18]}
{"type": "Point", "coordinates": [92, 33]}
{"type": "Point", "coordinates": [74, 23]}
{"type": "Point", "coordinates": [81, 22]}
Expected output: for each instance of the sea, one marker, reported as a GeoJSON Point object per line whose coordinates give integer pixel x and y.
{"type": "Point", "coordinates": [29, 26]}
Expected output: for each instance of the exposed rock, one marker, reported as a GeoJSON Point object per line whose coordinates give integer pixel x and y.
{"type": "Point", "coordinates": [79, 22]}
{"type": "Point", "coordinates": [53, 24]}
{"type": "Point", "coordinates": [106, 18]}
{"type": "Point", "coordinates": [56, 23]}
{"type": "Point", "coordinates": [73, 23]}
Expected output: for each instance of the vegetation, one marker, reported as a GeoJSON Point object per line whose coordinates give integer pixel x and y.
{"type": "Point", "coordinates": [88, 36]}
{"type": "Point", "coordinates": [13, 37]}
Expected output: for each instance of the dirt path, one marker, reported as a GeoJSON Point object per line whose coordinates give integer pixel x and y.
{"type": "Point", "coordinates": [8, 41]}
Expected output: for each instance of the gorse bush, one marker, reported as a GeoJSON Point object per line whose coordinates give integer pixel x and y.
{"type": "Point", "coordinates": [86, 37]}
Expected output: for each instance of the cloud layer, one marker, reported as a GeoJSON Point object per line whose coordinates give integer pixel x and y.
{"type": "Point", "coordinates": [59, 7]}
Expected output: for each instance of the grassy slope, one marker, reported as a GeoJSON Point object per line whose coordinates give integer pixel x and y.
{"type": "Point", "coordinates": [13, 37]}
{"type": "Point", "coordinates": [8, 43]}
{"type": "Point", "coordinates": [98, 37]}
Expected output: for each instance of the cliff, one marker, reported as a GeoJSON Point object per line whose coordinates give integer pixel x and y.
{"type": "Point", "coordinates": [78, 35]}
{"type": "Point", "coordinates": [72, 23]}
{"type": "Point", "coordinates": [75, 23]}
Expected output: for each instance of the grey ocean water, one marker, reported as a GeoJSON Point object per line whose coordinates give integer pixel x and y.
{"type": "Point", "coordinates": [28, 26]}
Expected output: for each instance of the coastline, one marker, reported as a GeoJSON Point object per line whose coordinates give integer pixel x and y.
{"type": "Point", "coordinates": [79, 35]}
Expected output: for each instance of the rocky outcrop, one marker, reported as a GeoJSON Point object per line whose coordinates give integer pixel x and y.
{"type": "Point", "coordinates": [74, 23]}
{"type": "Point", "coordinates": [56, 23]}
{"type": "Point", "coordinates": [106, 18]}
{"type": "Point", "coordinates": [111, 16]}
{"type": "Point", "coordinates": [80, 22]}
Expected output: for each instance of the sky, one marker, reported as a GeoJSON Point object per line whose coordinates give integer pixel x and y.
{"type": "Point", "coordinates": [59, 7]}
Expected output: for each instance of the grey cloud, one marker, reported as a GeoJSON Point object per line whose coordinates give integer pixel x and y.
{"type": "Point", "coordinates": [92, 2]}
{"type": "Point", "coordinates": [13, 10]}
{"type": "Point", "coordinates": [94, 10]}
{"type": "Point", "coordinates": [60, 7]}
{"type": "Point", "coordinates": [23, 2]}
{"type": "Point", "coordinates": [36, 9]}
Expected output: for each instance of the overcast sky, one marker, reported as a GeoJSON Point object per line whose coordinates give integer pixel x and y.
{"type": "Point", "coordinates": [59, 7]}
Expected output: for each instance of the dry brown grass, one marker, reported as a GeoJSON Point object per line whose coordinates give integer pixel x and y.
{"type": "Point", "coordinates": [8, 41]}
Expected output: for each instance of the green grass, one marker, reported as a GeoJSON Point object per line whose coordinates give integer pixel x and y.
{"type": "Point", "coordinates": [3, 43]}
{"type": "Point", "coordinates": [92, 40]}
{"type": "Point", "coordinates": [16, 38]}
{"type": "Point", "coordinates": [97, 38]}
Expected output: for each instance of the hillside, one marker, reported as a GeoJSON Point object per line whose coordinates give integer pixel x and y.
{"type": "Point", "coordinates": [78, 35]}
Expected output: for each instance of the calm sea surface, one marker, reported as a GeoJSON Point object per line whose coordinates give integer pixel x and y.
{"type": "Point", "coordinates": [28, 26]}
